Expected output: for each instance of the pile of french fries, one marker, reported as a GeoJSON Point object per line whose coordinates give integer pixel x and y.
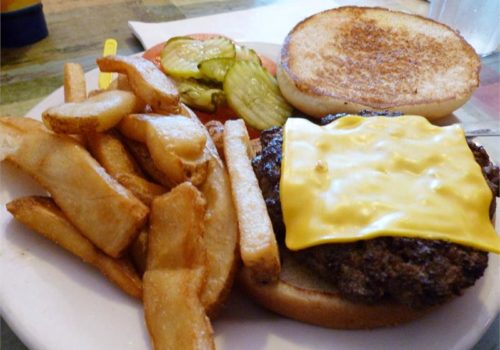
{"type": "Point", "coordinates": [138, 189]}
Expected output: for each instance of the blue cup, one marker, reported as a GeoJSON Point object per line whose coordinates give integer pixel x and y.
{"type": "Point", "coordinates": [24, 26]}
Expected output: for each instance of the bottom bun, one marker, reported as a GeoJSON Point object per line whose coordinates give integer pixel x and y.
{"type": "Point", "coordinates": [303, 297]}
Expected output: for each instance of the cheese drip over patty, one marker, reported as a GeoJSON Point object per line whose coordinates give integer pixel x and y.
{"type": "Point", "coordinates": [361, 178]}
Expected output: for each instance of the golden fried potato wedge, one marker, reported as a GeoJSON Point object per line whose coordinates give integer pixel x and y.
{"type": "Point", "coordinates": [18, 124]}
{"type": "Point", "coordinates": [177, 146]}
{"type": "Point", "coordinates": [221, 237]}
{"type": "Point", "coordinates": [258, 246]}
{"type": "Point", "coordinates": [94, 92]}
{"type": "Point", "coordinates": [121, 272]}
{"type": "Point", "coordinates": [179, 135]}
{"type": "Point", "coordinates": [96, 114]}
{"type": "Point", "coordinates": [146, 80]}
{"type": "Point", "coordinates": [143, 189]}
{"type": "Point", "coordinates": [75, 87]}
{"type": "Point", "coordinates": [43, 216]}
{"type": "Point", "coordinates": [174, 314]}
{"type": "Point", "coordinates": [103, 210]}
{"type": "Point", "coordinates": [120, 83]}
{"type": "Point", "coordinates": [216, 131]}
{"type": "Point", "coordinates": [139, 251]}
{"type": "Point", "coordinates": [135, 126]}
{"type": "Point", "coordinates": [221, 229]}
{"type": "Point", "coordinates": [110, 152]}
{"type": "Point", "coordinates": [255, 147]}
{"type": "Point", "coordinates": [143, 157]}
{"type": "Point", "coordinates": [176, 272]}
{"type": "Point", "coordinates": [176, 229]}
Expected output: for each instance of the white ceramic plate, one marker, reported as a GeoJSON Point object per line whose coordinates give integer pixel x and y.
{"type": "Point", "coordinates": [54, 301]}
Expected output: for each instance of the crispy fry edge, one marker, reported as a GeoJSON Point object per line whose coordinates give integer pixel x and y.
{"type": "Point", "coordinates": [75, 86]}
{"type": "Point", "coordinates": [43, 216]}
{"type": "Point", "coordinates": [176, 272]}
{"type": "Point", "coordinates": [258, 246]}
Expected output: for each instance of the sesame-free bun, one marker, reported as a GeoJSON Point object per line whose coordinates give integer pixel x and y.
{"type": "Point", "coordinates": [300, 295]}
{"type": "Point", "coordinates": [353, 58]}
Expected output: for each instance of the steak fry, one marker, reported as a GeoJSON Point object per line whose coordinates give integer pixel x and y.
{"type": "Point", "coordinates": [96, 114]}
{"type": "Point", "coordinates": [139, 251]}
{"type": "Point", "coordinates": [176, 229]}
{"type": "Point", "coordinates": [103, 210]}
{"type": "Point", "coordinates": [176, 272]}
{"type": "Point", "coordinates": [43, 216]}
{"type": "Point", "coordinates": [146, 80]}
{"type": "Point", "coordinates": [176, 145]}
{"type": "Point", "coordinates": [258, 246]}
{"type": "Point", "coordinates": [135, 126]}
{"type": "Point", "coordinates": [173, 312]}
{"type": "Point", "coordinates": [221, 228]}
{"type": "Point", "coordinates": [110, 152]}
{"type": "Point", "coordinates": [143, 189]}
{"type": "Point", "coordinates": [75, 88]}
{"type": "Point", "coordinates": [141, 154]}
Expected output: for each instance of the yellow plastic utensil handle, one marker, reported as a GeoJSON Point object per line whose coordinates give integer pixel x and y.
{"type": "Point", "coordinates": [110, 46]}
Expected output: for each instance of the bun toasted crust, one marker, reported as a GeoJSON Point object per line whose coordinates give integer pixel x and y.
{"type": "Point", "coordinates": [303, 297]}
{"type": "Point", "coordinates": [353, 58]}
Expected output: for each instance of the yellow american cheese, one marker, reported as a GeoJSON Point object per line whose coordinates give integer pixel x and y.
{"type": "Point", "coordinates": [360, 178]}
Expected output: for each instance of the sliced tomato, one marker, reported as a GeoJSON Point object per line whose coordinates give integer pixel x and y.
{"type": "Point", "coordinates": [268, 64]}
{"type": "Point", "coordinates": [153, 54]}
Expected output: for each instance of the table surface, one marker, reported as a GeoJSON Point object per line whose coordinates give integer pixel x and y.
{"type": "Point", "coordinates": [77, 30]}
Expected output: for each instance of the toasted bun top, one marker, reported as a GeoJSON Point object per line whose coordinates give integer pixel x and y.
{"type": "Point", "coordinates": [379, 58]}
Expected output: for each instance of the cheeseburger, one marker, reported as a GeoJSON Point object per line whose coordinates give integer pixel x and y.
{"type": "Point", "coordinates": [381, 217]}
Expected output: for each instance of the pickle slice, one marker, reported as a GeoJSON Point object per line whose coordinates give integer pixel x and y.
{"type": "Point", "coordinates": [253, 93]}
{"type": "Point", "coordinates": [175, 38]}
{"type": "Point", "coordinates": [200, 96]}
{"type": "Point", "coordinates": [215, 68]}
{"type": "Point", "coordinates": [181, 56]}
{"type": "Point", "coordinates": [243, 53]}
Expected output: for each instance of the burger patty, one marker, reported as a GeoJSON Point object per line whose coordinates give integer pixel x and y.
{"type": "Point", "coordinates": [415, 272]}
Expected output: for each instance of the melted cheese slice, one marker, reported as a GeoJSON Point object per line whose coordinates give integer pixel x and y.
{"type": "Point", "coordinates": [360, 178]}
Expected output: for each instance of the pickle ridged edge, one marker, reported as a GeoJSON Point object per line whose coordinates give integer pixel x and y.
{"type": "Point", "coordinates": [253, 93]}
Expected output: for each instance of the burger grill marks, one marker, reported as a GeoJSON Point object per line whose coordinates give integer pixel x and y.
{"type": "Point", "coordinates": [416, 272]}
